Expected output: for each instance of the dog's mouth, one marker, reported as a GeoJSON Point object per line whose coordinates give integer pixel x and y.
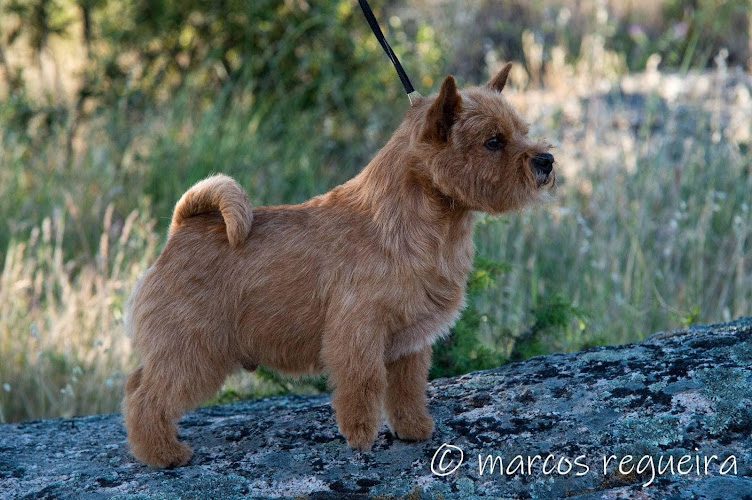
{"type": "Point", "coordinates": [543, 179]}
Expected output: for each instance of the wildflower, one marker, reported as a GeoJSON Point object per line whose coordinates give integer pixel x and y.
{"type": "Point", "coordinates": [636, 32]}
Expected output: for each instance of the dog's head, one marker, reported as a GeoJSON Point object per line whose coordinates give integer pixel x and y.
{"type": "Point", "coordinates": [475, 148]}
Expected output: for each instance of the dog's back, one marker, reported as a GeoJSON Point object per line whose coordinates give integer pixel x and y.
{"type": "Point", "coordinates": [265, 295]}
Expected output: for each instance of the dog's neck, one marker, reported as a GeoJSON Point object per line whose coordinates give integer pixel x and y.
{"type": "Point", "coordinates": [416, 221]}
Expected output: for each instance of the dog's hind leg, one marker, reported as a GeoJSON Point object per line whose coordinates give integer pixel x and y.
{"type": "Point", "coordinates": [157, 395]}
{"type": "Point", "coordinates": [149, 419]}
{"type": "Point", "coordinates": [134, 380]}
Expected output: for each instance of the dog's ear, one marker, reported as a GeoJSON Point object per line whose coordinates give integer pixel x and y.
{"type": "Point", "coordinates": [497, 83]}
{"type": "Point", "coordinates": [443, 112]}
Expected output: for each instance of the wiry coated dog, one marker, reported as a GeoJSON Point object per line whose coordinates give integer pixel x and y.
{"type": "Point", "coordinates": [357, 283]}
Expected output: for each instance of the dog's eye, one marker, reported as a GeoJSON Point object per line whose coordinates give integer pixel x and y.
{"type": "Point", "coordinates": [494, 143]}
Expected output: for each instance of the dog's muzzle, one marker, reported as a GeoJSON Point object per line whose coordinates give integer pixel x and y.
{"type": "Point", "coordinates": [543, 165]}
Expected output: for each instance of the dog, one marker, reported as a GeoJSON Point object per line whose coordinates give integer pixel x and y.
{"type": "Point", "coordinates": [357, 283]}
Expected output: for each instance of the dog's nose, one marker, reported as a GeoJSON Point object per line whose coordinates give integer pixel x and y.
{"type": "Point", "coordinates": [544, 163]}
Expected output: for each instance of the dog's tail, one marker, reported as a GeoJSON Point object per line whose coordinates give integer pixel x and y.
{"type": "Point", "coordinates": [222, 193]}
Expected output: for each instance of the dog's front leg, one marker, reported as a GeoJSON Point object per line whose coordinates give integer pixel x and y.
{"type": "Point", "coordinates": [354, 358]}
{"type": "Point", "coordinates": [406, 408]}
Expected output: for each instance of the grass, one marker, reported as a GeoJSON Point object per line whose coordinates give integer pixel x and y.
{"type": "Point", "coordinates": [649, 229]}
{"type": "Point", "coordinates": [61, 338]}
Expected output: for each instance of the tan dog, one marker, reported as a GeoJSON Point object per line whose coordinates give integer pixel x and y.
{"type": "Point", "coordinates": [357, 283]}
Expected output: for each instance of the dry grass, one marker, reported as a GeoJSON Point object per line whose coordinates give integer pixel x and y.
{"type": "Point", "coordinates": [62, 343]}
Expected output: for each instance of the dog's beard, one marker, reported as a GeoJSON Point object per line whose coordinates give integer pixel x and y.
{"type": "Point", "coordinates": [545, 196]}
{"type": "Point", "coordinates": [546, 184]}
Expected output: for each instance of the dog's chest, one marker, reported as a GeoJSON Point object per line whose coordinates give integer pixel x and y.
{"type": "Point", "coordinates": [425, 309]}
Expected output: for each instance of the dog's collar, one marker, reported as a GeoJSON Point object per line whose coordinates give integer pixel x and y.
{"type": "Point", "coordinates": [412, 94]}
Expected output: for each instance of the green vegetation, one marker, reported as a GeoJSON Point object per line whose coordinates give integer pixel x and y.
{"type": "Point", "coordinates": [110, 110]}
{"type": "Point", "coordinates": [463, 351]}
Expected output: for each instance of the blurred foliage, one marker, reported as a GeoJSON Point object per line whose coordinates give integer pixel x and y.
{"type": "Point", "coordinates": [690, 34]}
{"type": "Point", "coordinates": [553, 317]}
{"type": "Point", "coordinates": [463, 351]}
{"type": "Point", "coordinates": [684, 34]}
{"type": "Point", "coordinates": [267, 383]}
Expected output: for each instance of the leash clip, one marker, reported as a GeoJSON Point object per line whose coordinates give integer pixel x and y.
{"type": "Point", "coordinates": [414, 96]}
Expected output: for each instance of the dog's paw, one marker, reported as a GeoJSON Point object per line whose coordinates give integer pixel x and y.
{"type": "Point", "coordinates": [409, 427]}
{"type": "Point", "coordinates": [360, 436]}
{"type": "Point", "coordinates": [175, 454]}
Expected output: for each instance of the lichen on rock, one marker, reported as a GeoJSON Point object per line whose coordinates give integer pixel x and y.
{"type": "Point", "coordinates": [676, 395]}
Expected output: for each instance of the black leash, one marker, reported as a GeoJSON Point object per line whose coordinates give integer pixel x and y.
{"type": "Point", "coordinates": [412, 94]}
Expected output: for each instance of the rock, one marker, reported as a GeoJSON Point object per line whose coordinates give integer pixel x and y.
{"type": "Point", "coordinates": [681, 394]}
